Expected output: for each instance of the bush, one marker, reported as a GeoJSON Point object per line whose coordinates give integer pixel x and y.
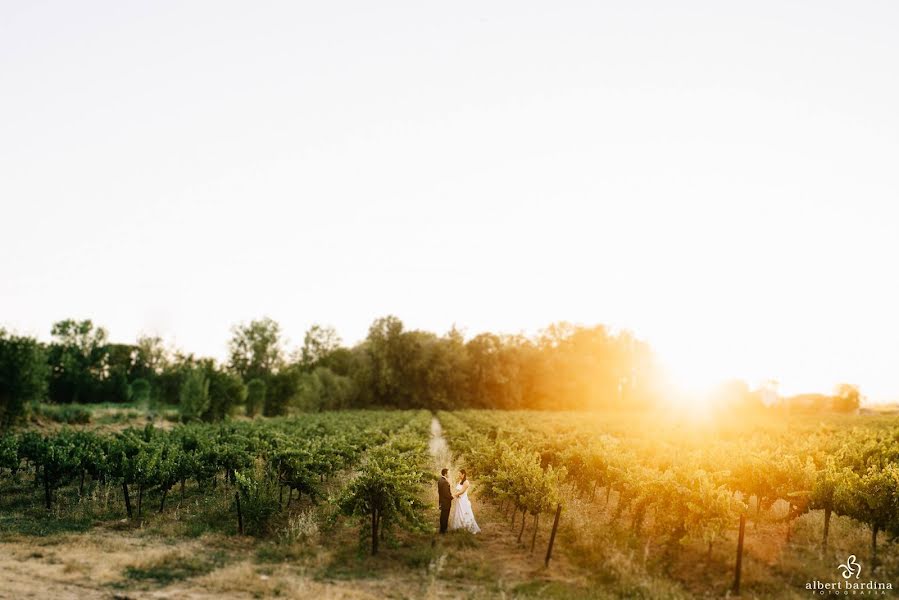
{"type": "Point", "coordinates": [70, 414]}
{"type": "Point", "coordinates": [226, 392]}
{"type": "Point", "coordinates": [324, 390]}
{"type": "Point", "coordinates": [281, 389]}
{"type": "Point", "coordinates": [23, 376]}
{"type": "Point", "coordinates": [300, 527]}
{"type": "Point", "coordinates": [194, 395]}
{"type": "Point", "coordinates": [255, 397]}
{"type": "Point", "coordinates": [258, 502]}
{"type": "Point", "coordinates": [140, 392]}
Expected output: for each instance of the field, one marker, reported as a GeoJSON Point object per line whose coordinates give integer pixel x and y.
{"type": "Point", "coordinates": [341, 504]}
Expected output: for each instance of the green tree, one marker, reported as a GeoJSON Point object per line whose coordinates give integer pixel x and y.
{"type": "Point", "coordinates": [255, 349]}
{"type": "Point", "coordinates": [140, 392]}
{"type": "Point", "coordinates": [281, 390]}
{"type": "Point", "coordinates": [78, 361]}
{"type": "Point", "coordinates": [23, 376]}
{"type": "Point", "coordinates": [319, 343]}
{"type": "Point", "coordinates": [226, 392]}
{"type": "Point", "coordinates": [324, 390]}
{"type": "Point", "coordinates": [152, 357]}
{"type": "Point", "coordinates": [255, 397]}
{"type": "Point", "coordinates": [194, 395]}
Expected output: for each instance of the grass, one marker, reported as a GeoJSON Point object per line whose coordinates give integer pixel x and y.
{"type": "Point", "coordinates": [175, 566]}
{"type": "Point", "coordinates": [101, 414]}
{"type": "Point", "coordinates": [69, 414]}
{"type": "Point", "coordinates": [556, 590]}
{"type": "Point", "coordinates": [13, 526]}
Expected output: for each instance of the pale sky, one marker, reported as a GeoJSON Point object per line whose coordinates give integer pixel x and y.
{"type": "Point", "coordinates": [723, 180]}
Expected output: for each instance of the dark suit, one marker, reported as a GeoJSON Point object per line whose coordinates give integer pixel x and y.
{"type": "Point", "coordinates": [446, 500]}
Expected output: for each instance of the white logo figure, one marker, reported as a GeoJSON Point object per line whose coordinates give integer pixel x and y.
{"type": "Point", "coordinates": [851, 566]}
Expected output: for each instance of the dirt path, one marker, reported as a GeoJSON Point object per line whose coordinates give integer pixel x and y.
{"type": "Point", "coordinates": [440, 451]}
{"type": "Point", "coordinates": [492, 563]}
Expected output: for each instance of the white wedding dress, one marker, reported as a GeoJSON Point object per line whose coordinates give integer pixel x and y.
{"type": "Point", "coordinates": [463, 517]}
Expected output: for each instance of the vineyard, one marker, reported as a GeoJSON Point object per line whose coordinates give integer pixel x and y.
{"type": "Point", "coordinates": [670, 497]}
{"type": "Point", "coordinates": [572, 504]}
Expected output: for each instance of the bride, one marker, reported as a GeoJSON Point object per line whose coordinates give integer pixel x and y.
{"type": "Point", "coordinates": [463, 517]}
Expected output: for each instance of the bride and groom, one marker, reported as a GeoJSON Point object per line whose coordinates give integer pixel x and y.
{"type": "Point", "coordinates": [463, 517]}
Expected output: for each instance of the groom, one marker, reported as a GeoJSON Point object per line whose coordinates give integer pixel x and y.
{"type": "Point", "coordinates": [446, 499]}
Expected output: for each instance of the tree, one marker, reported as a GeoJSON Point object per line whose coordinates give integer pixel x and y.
{"type": "Point", "coordinates": [80, 336]}
{"type": "Point", "coordinates": [255, 397]}
{"type": "Point", "coordinates": [226, 392]}
{"type": "Point", "coordinates": [152, 357]}
{"type": "Point", "coordinates": [384, 349]}
{"type": "Point", "coordinates": [324, 390]}
{"type": "Point", "coordinates": [194, 395]}
{"type": "Point", "coordinates": [78, 360]}
{"type": "Point", "coordinates": [151, 363]}
{"type": "Point", "coordinates": [255, 349]}
{"type": "Point", "coordinates": [140, 392]}
{"type": "Point", "coordinates": [319, 342]}
{"type": "Point", "coordinates": [847, 398]}
{"type": "Point", "coordinates": [281, 390]}
{"type": "Point", "coordinates": [111, 383]}
{"type": "Point", "coordinates": [23, 376]}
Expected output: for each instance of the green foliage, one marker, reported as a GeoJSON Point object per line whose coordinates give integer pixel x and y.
{"type": "Point", "coordinates": [281, 391]}
{"type": "Point", "coordinates": [23, 376]}
{"type": "Point", "coordinates": [322, 389]}
{"type": "Point", "coordinates": [174, 567]}
{"type": "Point", "coordinates": [255, 397]}
{"type": "Point", "coordinates": [226, 392]}
{"type": "Point", "coordinates": [72, 414]}
{"type": "Point", "coordinates": [258, 501]}
{"type": "Point", "coordinates": [255, 349]}
{"type": "Point", "coordinates": [140, 392]}
{"type": "Point", "coordinates": [255, 459]}
{"type": "Point", "coordinates": [387, 490]}
{"type": "Point", "coordinates": [85, 367]}
{"type": "Point", "coordinates": [194, 395]}
{"type": "Point", "coordinates": [871, 497]}
{"type": "Point", "coordinates": [9, 453]}
{"type": "Point", "coordinates": [319, 343]}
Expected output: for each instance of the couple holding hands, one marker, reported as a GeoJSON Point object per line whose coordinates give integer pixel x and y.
{"type": "Point", "coordinates": [463, 516]}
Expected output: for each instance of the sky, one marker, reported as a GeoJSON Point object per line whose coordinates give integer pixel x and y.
{"type": "Point", "coordinates": [719, 178]}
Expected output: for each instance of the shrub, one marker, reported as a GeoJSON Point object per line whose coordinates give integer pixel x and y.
{"type": "Point", "coordinates": [140, 392]}
{"type": "Point", "coordinates": [70, 414]}
{"type": "Point", "coordinates": [257, 503]}
{"type": "Point", "coordinates": [194, 395]}
{"type": "Point", "coordinates": [23, 376]}
{"type": "Point", "coordinates": [255, 397]}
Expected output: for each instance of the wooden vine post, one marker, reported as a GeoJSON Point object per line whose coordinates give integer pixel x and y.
{"type": "Point", "coordinates": [239, 513]}
{"type": "Point", "coordinates": [736, 587]}
{"type": "Point", "coordinates": [552, 536]}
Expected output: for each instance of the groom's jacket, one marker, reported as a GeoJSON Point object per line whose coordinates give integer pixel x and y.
{"type": "Point", "coordinates": [443, 490]}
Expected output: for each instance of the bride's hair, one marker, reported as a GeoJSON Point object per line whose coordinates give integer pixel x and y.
{"type": "Point", "coordinates": [464, 476]}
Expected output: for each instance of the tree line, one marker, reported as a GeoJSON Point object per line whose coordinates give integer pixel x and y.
{"type": "Point", "coordinates": [564, 366]}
